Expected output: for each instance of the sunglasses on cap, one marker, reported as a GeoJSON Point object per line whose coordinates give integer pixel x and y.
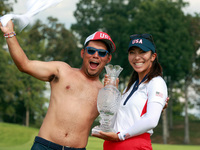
{"type": "Point", "coordinates": [101, 52]}
{"type": "Point", "coordinates": [145, 35]}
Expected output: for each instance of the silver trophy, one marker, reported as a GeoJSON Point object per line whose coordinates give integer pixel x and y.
{"type": "Point", "coordinates": [108, 100]}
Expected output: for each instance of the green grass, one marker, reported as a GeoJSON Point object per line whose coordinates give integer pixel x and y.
{"type": "Point", "coordinates": [16, 137]}
{"type": "Point", "coordinates": [175, 147]}
{"type": "Point", "coordinates": [94, 144]}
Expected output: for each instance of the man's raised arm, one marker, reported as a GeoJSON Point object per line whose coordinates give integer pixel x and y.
{"type": "Point", "coordinates": [38, 69]}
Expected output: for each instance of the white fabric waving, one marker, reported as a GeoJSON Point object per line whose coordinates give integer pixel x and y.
{"type": "Point", "coordinates": [33, 7]}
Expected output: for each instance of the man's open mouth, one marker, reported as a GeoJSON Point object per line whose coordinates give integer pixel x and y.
{"type": "Point", "coordinates": [94, 65]}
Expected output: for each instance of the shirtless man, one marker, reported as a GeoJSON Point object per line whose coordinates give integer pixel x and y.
{"type": "Point", "coordinates": [73, 101]}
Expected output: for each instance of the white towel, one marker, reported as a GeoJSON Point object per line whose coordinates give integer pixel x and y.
{"type": "Point", "coordinates": [33, 7]}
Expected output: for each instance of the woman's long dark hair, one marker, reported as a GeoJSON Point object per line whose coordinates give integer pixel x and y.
{"type": "Point", "coordinates": [156, 70]}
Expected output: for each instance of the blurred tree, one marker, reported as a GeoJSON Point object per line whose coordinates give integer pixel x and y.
{"type": "Point", "coordinates": [21, 87]}
{"type": "Point", "coordinates": [60, 43]}
{"type": "Point", "coordinates": [193, 72]}
{"type": "Point", "coordinates": [8, 83]}
{"type": "Point", "coordinates": [6, 6]}
{"type": "Point", "coordinates": [6, 67]}
{"type": "Point", "coordinates": [195, 32]}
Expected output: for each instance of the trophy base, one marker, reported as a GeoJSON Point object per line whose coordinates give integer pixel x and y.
{"type": "Point", "coordinates": [97, 129]}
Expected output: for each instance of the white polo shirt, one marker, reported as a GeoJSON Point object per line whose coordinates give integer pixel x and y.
{"type": "Point", "coordinates": [133, 117]}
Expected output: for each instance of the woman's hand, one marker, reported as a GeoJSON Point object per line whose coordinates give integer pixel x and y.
{"type": "Point", "coordinates": [108, 136]}
{"type": "Point", "coordinates": [166, 104]}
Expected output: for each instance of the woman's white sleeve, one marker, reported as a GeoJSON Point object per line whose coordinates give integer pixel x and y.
{"type": "Point", "coordinates": [147, 121]}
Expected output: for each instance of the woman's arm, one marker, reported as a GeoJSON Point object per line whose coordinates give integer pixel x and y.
{"type": "Point", "coordinates": [38, 69]}
{"type": "Point", "coordinates": [147, 122]}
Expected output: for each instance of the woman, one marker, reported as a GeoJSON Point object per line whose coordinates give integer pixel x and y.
{"type": "Point", "coordinates": [142, 101]}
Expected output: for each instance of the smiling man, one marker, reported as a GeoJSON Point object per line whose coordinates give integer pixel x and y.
{"type": "Point", "coordinates": [73, 100]}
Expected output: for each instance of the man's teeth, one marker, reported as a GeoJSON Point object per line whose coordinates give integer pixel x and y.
{"type": "Point", "coordinates": [94, 62]}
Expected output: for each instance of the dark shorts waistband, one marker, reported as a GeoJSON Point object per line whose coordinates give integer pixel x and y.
{"type": "Point", "coordinates": [54, 145]}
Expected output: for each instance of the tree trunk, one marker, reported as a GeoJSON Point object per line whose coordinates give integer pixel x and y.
{"type": "Point", "coordinates": [165, 126]}
{"type": "Point", "coordinates": [27, 115]}
{"type": "Point", "coordinates": [170, 110]}
{"type": "Point", "coordinates": [186, 136]}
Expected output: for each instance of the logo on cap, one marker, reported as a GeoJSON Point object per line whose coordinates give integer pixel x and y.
{"type": "Point", "coordinates": [139, 41]}
{"type": "Point", "coordinates": [104, 36]}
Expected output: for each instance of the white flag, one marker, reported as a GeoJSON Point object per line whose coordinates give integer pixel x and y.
{"type": "Point", "coordinates": [33, 7]}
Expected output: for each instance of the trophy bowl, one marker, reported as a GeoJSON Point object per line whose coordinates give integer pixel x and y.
{"type": "Point", "coordinates": [108, 101]}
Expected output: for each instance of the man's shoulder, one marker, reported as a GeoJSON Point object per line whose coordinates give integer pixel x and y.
{"type": "Point", "coordinates": [61, 64]}
{"type": "Point", "coordinates": [62, 69]}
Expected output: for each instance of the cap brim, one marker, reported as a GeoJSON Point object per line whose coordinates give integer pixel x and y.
{"type": "Point", "coordinates": [144, 48]}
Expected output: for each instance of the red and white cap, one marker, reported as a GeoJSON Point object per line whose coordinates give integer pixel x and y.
{"type": "Point", "coordinates": [102, 36]}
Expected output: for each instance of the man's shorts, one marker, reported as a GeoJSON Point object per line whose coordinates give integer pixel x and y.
{"type": "Point", "coordinates": [42, 144]}
{"type": "Point", "coordinates": [140, 142]}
